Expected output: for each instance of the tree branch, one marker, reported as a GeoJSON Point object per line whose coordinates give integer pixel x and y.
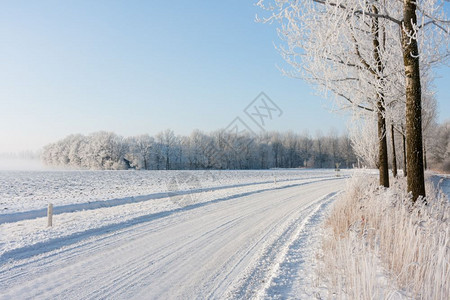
{"type": "Point", "coordinates": [361, 59]}
{"type": "Point", "coordinates": [353, 103]}
{"type": "Point", "coordinates": [361, 12]}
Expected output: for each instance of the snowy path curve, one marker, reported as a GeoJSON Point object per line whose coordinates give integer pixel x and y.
{"type": "Point", "coordinates": [230, 249]}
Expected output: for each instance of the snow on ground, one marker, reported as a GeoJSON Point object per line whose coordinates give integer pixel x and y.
{"type": "Point", "coordinates": [22, 191]}
{"type": "Point", "coordinates": [297, 274]}
{"type": "Point", "coordinates": [166, 234]}
{"type": "Point", "coordinates": [234, 247]}
{"type": "Point", "coordinates": [26, 235]}
{"type": "Point", "coordinates": [160, 234]}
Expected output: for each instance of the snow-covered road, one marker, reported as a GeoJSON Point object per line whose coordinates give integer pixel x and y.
{"type": "Point", "coordinates": [228, 249]}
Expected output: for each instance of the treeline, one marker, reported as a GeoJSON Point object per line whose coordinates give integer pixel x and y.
{"type": "Point", "coordinates": [438, 143]}
{"type": "Point", "coordinates": [216, 150]}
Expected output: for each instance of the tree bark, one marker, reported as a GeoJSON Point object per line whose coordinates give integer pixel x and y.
{"type": "Point", "coordinates": [394, 156]}
{"type": "Point", "coordinates": [382, 146]}
{"type": "Point", "coordinates": [425, 155]}
{"type": "Point", "coordinates": [405, 172]}
{"type": "Point", "coordinates": [414, 149]}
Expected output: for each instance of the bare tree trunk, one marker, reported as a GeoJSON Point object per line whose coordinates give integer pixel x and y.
{"type": "Point", "coordinates": [394, 156]}
{"type": "Point", "coordinates": [424, 155]}
{"type": "Point", "coordinates": [405, 172]}
{"type": "Point", "coordinates": [382, 147]}
{"type": "Point", "coordinates": [414, 150]}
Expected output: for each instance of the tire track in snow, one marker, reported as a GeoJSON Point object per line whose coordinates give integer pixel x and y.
{"type": "Point", "coordinates": [65, 240]}
{"type": "Point", "coordinates": [204, 244]}
{"type": "Point", "coordinates": [260, 277]}
{"type": "Point", "coordinates": [198, 253]}
{"type": "Point", "coordinates": [282, 268]}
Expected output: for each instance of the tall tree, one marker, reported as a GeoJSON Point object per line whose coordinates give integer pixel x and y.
{"type": "Point", "coordinates": [394, 155]}
{"type": "Point", "coordinates": [333, 36]}
{"type": "Point", "coordinates": [414, 149]}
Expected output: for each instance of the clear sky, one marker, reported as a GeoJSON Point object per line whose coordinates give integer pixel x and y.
{"type": "Point", "coordinates": [136, 67]}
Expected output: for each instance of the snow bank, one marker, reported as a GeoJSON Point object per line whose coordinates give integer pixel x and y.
{"type": "Point", "coordinates": [381, 246]}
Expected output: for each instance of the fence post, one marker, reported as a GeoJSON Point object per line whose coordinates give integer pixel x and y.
{"type": "Point", "coordinates": [50, 215]}
{"type": "Point", "coordinates": [337, 169]}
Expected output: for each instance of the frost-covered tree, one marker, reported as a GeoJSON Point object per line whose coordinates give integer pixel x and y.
{"type": "Point", "coordinates": [320, 150]}
{"type": "Point", "coordinates": [364, 140]}
{"type": "Point", "coordinates": [352, 48]}
{"type": "Point", "coordinates": [263, 151]}
{"type": "Point", "coordinates": [216, 150]}
{"type": "Point", "coordinates": [106, 151]}
{"type": "Point", "coordinates": [140, 151]}
{"type": "Point", "coordinates": [348, 155]}
{"type": "Point", "coordinates": [439, 152]}
{"type": "Point", "coordinates": [166, 141]}
{"type": "Point", "coordinates": [306, 148]}
{"type": "Point", "coordinates": [76, 150]}
{"type": "Point", "coordinates": [277, 149]}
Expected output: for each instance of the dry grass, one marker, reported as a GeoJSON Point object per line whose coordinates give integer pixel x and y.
{"type": "Point", "coordinates": [380, 246]}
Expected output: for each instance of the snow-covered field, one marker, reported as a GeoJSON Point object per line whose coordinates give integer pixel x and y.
{"type": "Point", "coordinates": [160, 233]}
{"type": "Point", "coordinates": [164, 234]}
{"type": "Point", "coordinates": [22, 191]}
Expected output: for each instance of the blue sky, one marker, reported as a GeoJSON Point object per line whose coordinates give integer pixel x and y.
{"type": "Point", "coordinates": [136, 67]}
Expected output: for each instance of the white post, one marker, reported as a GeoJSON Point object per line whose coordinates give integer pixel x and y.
{"type": "Point", "coordinates": [50, 215]}
{"type": "Point", "coordinates": [337, 169]}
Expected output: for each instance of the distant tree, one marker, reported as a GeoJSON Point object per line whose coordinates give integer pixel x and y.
{"type": "Point", "coordinates": [276, 149]}
{"type": "Point", "coordinates": [140, 151]}
{"type": "Point", "coordinates": [320, 149]}
{"type": "Point", "coordinates": [439, 152]}
{"type": "Point", "coordinates": [306, 148]}
{"type": "Point", "coordinates": [347, 152]}
{"type": "Point", "coordinates": [364, 141]}
{"type": "Point", "coordinates": [290, 143]}
{"type": "Point", "coordinates": [216, 150]}
{"type": "Point", "coordinates": [167, 142]}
